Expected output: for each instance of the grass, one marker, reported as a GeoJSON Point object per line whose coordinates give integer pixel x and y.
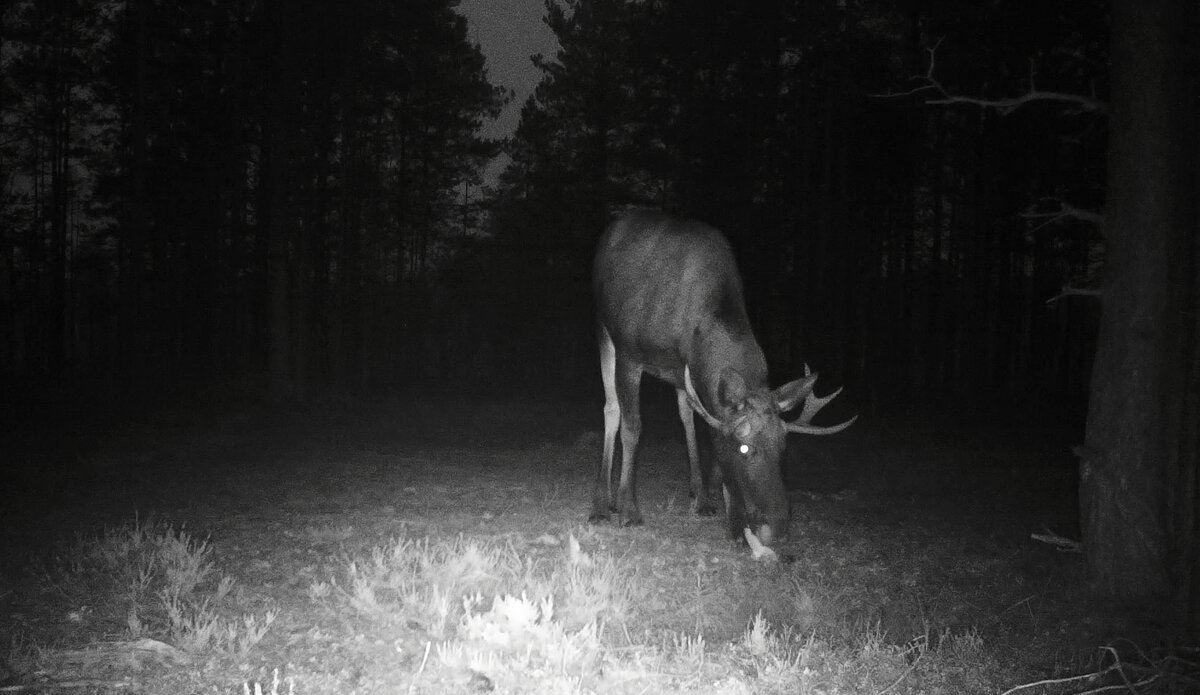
{"type": "Point", "coordinates": [133, 596]}
{"type": "Point", "coordinates": [495, 619]}
{"type": "Point", "coordinates": [158, 582]}
{"type": "Point", "coordinates": [436, 568]}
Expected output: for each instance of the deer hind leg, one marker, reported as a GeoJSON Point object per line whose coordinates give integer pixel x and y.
{"type": "Point", "coordinates": [701, 501]}
{"type": "Point", "coordinates": [602, 499]}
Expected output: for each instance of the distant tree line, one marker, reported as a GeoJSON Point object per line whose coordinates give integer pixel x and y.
{"type": "Point", "coordinates": [231, 187]}
{"type": "Point", "coordinates": [294, 189]}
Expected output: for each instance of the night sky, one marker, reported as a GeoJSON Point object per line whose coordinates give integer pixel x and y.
{"type": "Point", "coordinates": [509, 32]}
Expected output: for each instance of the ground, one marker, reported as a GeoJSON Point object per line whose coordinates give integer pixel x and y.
{"type": "Point", "coordinates": [363, 546]}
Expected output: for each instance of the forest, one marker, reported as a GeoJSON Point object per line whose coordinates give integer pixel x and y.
{"type": "Point", "coordinates": [939, 204]}
{"type": "Point", "coordinates": [247, 187]}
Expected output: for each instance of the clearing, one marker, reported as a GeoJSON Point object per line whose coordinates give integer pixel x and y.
{"type": "Point", "coordinates": [440, 545]}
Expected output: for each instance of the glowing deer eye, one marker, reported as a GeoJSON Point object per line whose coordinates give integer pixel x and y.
{"type": "Point", "coordinates": [744, 448]}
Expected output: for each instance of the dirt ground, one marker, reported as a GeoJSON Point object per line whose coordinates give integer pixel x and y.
{"type": "Point", "coordinates": [916, 525]}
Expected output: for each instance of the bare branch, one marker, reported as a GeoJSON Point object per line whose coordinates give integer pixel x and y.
{"type": "Point", "coordinates": [1071, 291]}
{"type": "Point", "coordinates": [1007, 106]}
{"type": "Point", "coordinates": [930, 82]}
{"type": "Point", "coordinates": [1004, 106]}
{"type": "Point", "coordinates": [1064, 544]}
{"type": "Point", "coordinates": [1065, 211]}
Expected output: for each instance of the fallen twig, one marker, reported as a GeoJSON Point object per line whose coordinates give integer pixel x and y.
{"type": "Point", "coordinates": [64, 685]}
{"type": "Point", "coordinates": [1059, 681]}
{"type": "Point", "coordinates": [1065, 545]}
{"type": "Point", "coordinates": [412, 685]}
{"type": "Point", "coordinates": [1133, 676]}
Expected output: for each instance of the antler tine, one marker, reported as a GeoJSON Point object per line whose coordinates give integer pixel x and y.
{"type": "Point", "coordinates": [812, 429]}
{"type": "Point", "coordinates": [695, 401]}
{"type": "Point", "coordinates": [812, 404]}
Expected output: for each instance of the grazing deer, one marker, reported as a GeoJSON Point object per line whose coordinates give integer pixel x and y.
{"type": "Point", "coordinates": [669, 302]}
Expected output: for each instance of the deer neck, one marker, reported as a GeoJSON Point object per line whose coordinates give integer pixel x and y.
{"type": "Point", "coordinates": [716, 349]}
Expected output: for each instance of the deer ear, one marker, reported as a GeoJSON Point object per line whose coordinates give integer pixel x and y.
{"type": "Point", "coordinates": [790, 394]}
{"type": "Point", "coordinates": [731, 389]}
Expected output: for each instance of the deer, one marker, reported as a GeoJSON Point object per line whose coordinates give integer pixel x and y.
{"type": "Point", "coordinates": [670, 303]}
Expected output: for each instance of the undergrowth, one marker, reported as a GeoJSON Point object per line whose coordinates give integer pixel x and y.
{"type": "Point", "coordinates": [563, 625]}
{"type": "Point", "coordinates": [497, 616]}
{"type": "Point", "coordinates": [144, 591]}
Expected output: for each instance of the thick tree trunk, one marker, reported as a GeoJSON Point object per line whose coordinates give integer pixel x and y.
{"type": "Point", "coordinates": [1131, 458]}
{"type": "Point", "coordinates": [1184, 505]}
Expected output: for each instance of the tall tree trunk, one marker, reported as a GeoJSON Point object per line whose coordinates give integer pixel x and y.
{"type": "Point", "coordinates": [1184, 474]}
{"type": "Point", "coordinates": [281, 384]}
{"type": "Point", "coordinates": [1185, 505]}
{"type": "Point", "coordinates": [132, 240]}
{"type": "Point", "coordinates": [934, 338]}
{"type": "Point", "coordinates": [1132, 458]}
{"type": "Point", "coordinates": [346, 331]}
{"type": "Point", "coordinates": [59, 126]}
{"type": "Point", "coordinates": [276, 220]}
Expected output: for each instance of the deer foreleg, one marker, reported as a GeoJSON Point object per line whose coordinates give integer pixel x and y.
{"type": "Point", "coordinates": [602, 500]}
{"type": "Point", "coordinates": [701, 501]}
{"type": "Point", "coordinates": [628, 381]}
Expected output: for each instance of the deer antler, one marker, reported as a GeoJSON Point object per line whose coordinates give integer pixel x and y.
{"type": "Point", "coordinates": [812, 404]}
{"type": "Point", "coordinates": [694, 400]}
